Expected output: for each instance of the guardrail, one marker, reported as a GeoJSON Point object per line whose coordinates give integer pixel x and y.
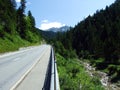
{"type": "Point", "coordinates": [54, 75]}
{"type": "Point", "coordinates": [52, 79]}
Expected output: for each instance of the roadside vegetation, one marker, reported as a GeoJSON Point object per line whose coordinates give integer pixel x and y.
{"type": "Point", "coordinates": [16, 29]}
{"type": "Point", "coordinates": [17, 42]}
{"type": "Point", "coordinates": [73, 76]}
{"type": "Point", "coordinates": [72, 73]}
{"type": "Point", "coordinates": [95, 39]}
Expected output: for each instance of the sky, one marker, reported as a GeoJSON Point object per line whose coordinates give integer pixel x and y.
{"type": "Point", "coordinates": [58, 13]}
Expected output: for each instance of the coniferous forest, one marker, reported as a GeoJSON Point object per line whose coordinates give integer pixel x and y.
{"type": "Point", "coordinates": [97, 39]}
{"type": "Point", "coordinates": [16, 28]}
{"type": "Point", "coordinates": [98, 36]}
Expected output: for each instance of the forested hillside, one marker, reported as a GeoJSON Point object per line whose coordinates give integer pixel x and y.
{"type": "Point", "coordinates": [16, 28]}
{"type": "Point", "coordinates": [96, 38]}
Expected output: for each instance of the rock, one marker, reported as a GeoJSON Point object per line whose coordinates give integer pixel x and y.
{"type": "Point", "coordinates": [104, 78]}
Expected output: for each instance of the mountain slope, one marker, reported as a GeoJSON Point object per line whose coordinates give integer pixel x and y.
{"type": "Point", "coordinates": [52, 32]}
{"type": "Point", "coordinates": [47, 34]}
{"type": "Point", "coordinates": [61, 29]}
{"type": "Point", "coordinates": [16, 28]}
{"type": "Point", "coordinates": [97, 38]}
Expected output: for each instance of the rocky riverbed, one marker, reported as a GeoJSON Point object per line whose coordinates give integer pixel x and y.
{"type": "Point", "coordinates": [104, 78]}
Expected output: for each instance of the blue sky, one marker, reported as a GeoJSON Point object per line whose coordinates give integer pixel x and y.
{"type": "Point", "coordinates": [57, 13]}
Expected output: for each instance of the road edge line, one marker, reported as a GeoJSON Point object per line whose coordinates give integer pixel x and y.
{"type": "Point", "coordinates": [26, 73]}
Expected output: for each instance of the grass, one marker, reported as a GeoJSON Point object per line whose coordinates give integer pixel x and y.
{"type": "Point", "coordinates": [12, 43]}
{"type": "Point", "coordinates": [72, 75]}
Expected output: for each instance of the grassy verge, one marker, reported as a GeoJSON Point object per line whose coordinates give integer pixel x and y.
{"type": "Point", "coordinates": [72, 75]}
{"type": "Point", "coordinates": [13, 43]}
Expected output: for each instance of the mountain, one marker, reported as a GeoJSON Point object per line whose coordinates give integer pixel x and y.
{"type": "Point", "coordinates": [52, 32]}
{"type": "Point", "coordinates": [61, 29]}
{"type": "Point", "coordinates": [97, 38]}
{"type": "Point", "coordinates": [47, 34]}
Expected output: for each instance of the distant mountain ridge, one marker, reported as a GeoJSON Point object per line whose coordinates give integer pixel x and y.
{"type": "Point", "coordinates": [61, 29]}
{"type": "Point", "coordinates": [52, 32]}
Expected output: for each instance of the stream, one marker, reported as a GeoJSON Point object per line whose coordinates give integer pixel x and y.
{"type": "Point", "coordinates": [104, 78]}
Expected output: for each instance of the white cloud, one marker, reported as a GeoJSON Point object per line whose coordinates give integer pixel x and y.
{"type": "Point", "coordinates": [18, 1]}
{"type": "Point", "coordinates": [47, 25]}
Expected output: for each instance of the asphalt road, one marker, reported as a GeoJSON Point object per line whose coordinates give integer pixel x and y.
{"type": "Point", "coordinates": [16, 65]}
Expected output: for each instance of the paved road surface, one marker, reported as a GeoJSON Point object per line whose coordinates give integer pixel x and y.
{"type": "Point", "coordinates": [14, 66]}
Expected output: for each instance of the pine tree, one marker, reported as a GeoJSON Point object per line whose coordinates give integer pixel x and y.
{"type": "Point", "coordinates": [21, 23]}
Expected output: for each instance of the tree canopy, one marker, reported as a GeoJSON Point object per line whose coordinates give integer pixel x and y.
{"type": "Point", "coordinates": [95, 37]}
{"type": "Point", "coordinates": [15, 23]}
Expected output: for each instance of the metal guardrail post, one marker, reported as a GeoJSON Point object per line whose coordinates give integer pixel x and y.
{"type": "Point", "coordinates": [56, 78]}
{"type": "Point", "coordinates": [52, 86]}
{"type": "Point", "coordinates": [54, 75]}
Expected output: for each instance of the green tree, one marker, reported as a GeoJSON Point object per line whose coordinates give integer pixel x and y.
{"type": "Point", "coordinates": [21, 23]}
